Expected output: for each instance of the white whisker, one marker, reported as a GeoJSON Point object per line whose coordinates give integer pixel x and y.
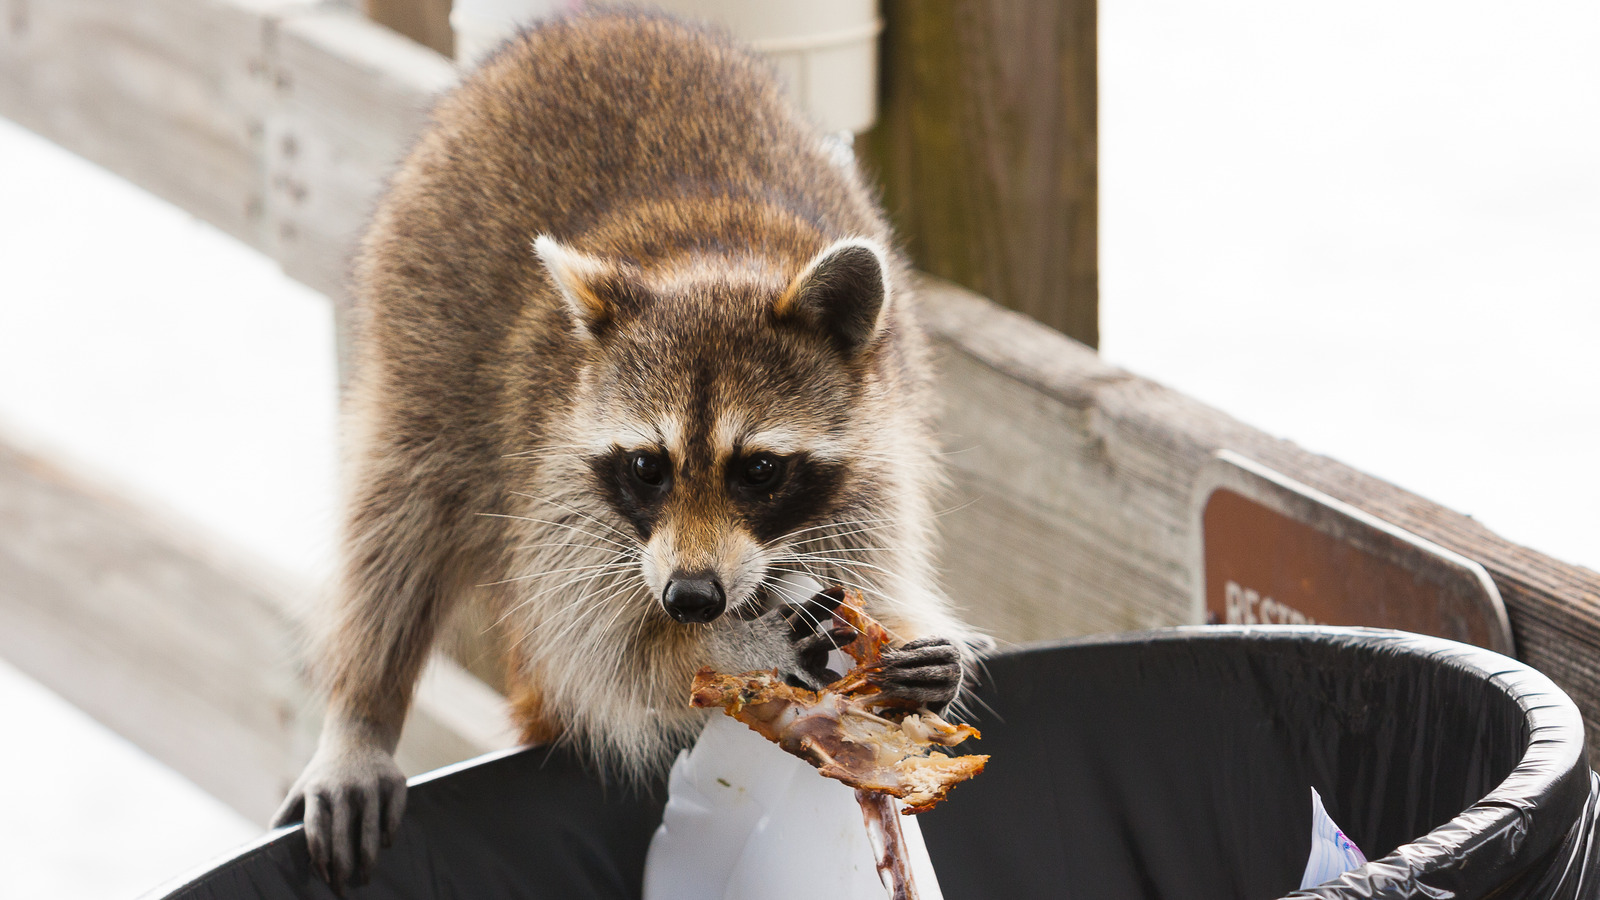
{"type": "Point", "coordinates": [864, 589]}
{"type": "Point", "coordinates": [546, 572]}
{"type": "Point", "coordinates": [567, 525]}
{"type": "Point", "coordinates": [795, 557]}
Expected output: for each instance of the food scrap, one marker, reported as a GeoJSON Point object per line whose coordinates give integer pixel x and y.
{"type": "Point", "coordinates": [849, 731]}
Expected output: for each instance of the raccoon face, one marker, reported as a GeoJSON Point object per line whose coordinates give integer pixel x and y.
{"type": "Point", "coordinates": [721, 417]}
{"type": "Point", "coordinates": [709, 519]}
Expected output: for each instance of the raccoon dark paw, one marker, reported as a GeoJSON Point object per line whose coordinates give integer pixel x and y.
{"type": "Point", "coordinates": [814, 634]}
{"type": "Point", "coordinates": [351, 800]}
{"type": "Point", "coordinates": [927, 671]}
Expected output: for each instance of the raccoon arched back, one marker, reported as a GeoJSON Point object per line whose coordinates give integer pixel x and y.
{"type": "Point", "coordinates": [843, 291]}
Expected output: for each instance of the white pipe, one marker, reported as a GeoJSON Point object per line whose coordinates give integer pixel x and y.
{"type": "Point", "coordinates": [825, 50]}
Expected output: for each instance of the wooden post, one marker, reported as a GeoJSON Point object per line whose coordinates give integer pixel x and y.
{"type": "Point", "coordinates": [425, 21]}
{"type": "Point", "coordinates": [986, 146]}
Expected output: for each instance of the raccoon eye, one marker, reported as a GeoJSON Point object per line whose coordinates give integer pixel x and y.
{"type": "Point", "coordinates": [761, 471]}
{"type": "Point", "coordinates": [647, 469]}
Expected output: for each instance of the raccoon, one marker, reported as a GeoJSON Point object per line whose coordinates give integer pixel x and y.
{"type": "Point", "coordinates": [631, 349]}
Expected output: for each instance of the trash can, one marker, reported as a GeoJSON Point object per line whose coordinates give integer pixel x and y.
{"type": "Point", "coordinates": [1177, 764]}
{"type": "Point", "coordinates": [1167, 764]}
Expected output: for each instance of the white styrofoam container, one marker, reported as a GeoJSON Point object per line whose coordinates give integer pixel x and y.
{"type": "Point", "coordinates": [747, 821]}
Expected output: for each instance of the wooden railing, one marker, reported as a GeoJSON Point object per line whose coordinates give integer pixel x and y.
{"type": "Point", "coordinates": [1070, 510]}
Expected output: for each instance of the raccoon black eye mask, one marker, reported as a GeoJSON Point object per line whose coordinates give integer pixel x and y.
{"type": "Point", "coordinates": [775, 494]}
{"type": "Point", "coordinates": [802, 492]}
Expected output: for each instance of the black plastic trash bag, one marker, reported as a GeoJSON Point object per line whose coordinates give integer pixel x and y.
{"type": "Point", "coordinates": [1172, 764]}
{"type": "Point", "coordinates": [528, 824]}
{"type": "Point", "coordinates": [1178, 764]}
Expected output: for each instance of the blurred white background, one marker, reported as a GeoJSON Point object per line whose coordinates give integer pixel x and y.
{"type": "Point", "coordinates": [1373, 228]}
{"type": "Point", "coordinates": [158, 356]}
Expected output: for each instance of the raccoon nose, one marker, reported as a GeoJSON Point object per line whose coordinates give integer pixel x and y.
{"type": "Point", "coordinates": [694, 597]}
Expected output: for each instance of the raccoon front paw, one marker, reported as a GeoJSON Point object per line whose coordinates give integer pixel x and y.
{"type": "Point", "coordinates": [927, 671]}
{"type": "Point", "coordinates": [351, 799]}
{"type": "Point", "coordinates": [814, 634]}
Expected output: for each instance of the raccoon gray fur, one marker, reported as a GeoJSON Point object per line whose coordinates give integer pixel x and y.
{"type": "Point", "coordinates": [630, 344]}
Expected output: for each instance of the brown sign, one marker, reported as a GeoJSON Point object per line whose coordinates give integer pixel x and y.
{"type": "Point", "coordinates": [1275, 551]}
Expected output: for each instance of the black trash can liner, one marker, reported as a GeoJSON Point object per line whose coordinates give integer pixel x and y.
{"type": "Point", "coordinates": [1177, 764]}
{"type": "Point", "coordinates": [529, 824]}
{"type": "Point", "coordinates": [1169, 764]}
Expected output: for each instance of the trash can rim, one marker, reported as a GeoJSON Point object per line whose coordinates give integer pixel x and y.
{"type": "Point", "coordinates": [173, 887]}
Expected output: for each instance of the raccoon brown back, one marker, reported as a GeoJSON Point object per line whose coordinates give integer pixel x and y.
{"type": "Point", "coordinates": [629, 137]}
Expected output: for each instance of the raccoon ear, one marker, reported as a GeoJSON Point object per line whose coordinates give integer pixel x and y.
{"type": "Point", "coordinates": [844, 290]}
{"type": "Point", "coordinates": [583, 282]}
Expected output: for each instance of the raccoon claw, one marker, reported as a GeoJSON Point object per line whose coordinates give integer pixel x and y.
{"type": "Point", "coordinates": [812, 653]}
{"type": "Point", "coordinates": [813, 633]}
{"type": "Point", "coordinates": [351, 804]}
{"type": "Point", "coordinates": [927, 671]}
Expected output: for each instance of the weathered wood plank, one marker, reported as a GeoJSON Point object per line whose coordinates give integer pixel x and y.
{"type": "Point", "coordinates": [1074, 482]}
{"type": "Point", "coordinates": [273, 119]}
{"type": "Point", "coordinates": [169, 644]}
{"type": "Point", "coordinates": [162, 92]}
{"type": "Point", "coordinates": [184, 648]}
{"type": "Point", "coordinates": [987, 150]}
{"type": "Point", "coordinates": [348, 98]}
